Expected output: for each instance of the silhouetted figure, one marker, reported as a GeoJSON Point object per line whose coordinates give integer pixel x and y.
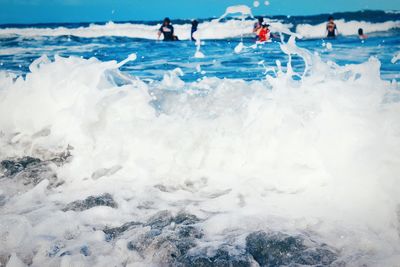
{"type": "Point", "coordinates": [195, 23]}
{"type": "Point", "coordinates": [167, 30]}
{"type": "Point", "coordinates": [361, 34]}
{"type": "Point", "coordinates": [331, 28]}
{"type": "Point", "coordinates": [258, 25]}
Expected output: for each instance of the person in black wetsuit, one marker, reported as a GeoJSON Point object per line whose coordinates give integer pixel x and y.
{"type": "Point", "coordinates": [195, 23]}
{"type": "Point", "coordinates": [331, 28]}
{"type": "Point", "coordinates": [167, 30]}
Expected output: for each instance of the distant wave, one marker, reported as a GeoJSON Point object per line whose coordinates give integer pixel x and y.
{"type": "Point", "coordinates": [209, 30]}
{"type": "Point", "coordinates": [346, 28]}
{"type": "Point", "coordinates": [308, 26]}
{"type": "Point", "coordinates": [392, 12]}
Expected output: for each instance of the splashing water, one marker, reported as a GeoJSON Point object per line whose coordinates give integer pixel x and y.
{"type": "Point", "coordinates": [100, 168]}
{"type": "Point", "coordinates": [244, 12]}
{"type": "Point", "coordinates": [396, 58]}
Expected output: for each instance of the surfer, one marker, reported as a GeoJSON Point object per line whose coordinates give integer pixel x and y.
{"type": "Point", "coordinates": [195, 23]}
{"type": "Point", "coordinates": [331, 28]}
{"type": "Point", "coordinates": [167, 30]}
{"type": "Point", "coordinates": [361, 34]}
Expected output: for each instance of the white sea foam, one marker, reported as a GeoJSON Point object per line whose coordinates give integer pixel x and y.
{"type": "Point", "coordinates": [346, 28]}
{"type": "Point", "coordinates": [210, 30]}
{"type": "Point", "coordinates": [321, 155]}
{"type": "Point", "coordinates": [243, 10]}
{"type": "Point", "coordinates": [392, 11]}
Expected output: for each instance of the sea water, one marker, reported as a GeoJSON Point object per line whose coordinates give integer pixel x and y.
{"type": "Point", "coordinates": [120, 150]}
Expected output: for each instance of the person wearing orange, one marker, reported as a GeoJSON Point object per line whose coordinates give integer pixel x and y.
{"type": "Point", "coordinates": [264, 34]}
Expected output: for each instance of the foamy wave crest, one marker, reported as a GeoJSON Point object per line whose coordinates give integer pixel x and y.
{"type": "Point", "coordinates": [312, 157]}
{"type": "Point", "coordinates": [209, 30]}
{"type": "Point", "coordinates": [346, 28]}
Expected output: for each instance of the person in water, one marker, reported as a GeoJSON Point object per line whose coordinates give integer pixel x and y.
{"type": "Point", "coordinates": [167, 30]}
{"type": "Point", "coordinates": [331, 28]}
{"type": "Point", "coordinates": [361, 34]}
{"type": "Point", "coordinates": [195, 23]}
{"type": "Point", "coordinates": [258, 25]}
{"type": "Point", "coordinates": [264, 34]}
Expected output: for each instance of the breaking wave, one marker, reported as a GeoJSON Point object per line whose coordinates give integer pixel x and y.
{"type": "Point", "coordinates": [102, 168]}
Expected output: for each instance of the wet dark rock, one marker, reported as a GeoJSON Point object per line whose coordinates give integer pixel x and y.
{"type": "Point", "coordinates": [198, 261]}
{"type": "Point", "coordinates": [160, 220]}
{"type": "Point", "coordinates": [29, 170]}
{"type": "Point", "coordinates": [170, 240]}
{"type": "Point", "coordinates": [13, 167]}
{"type": "Point", "coordinates": [272, 249]}
{"type": "Point", "coordinates": [63, 157]}
{"type": "Point", "coordinates": [166, 251]}
{"type": "Point", "coordinates": [90, 202]}
{"type": "Point", "coordinates": [85, 251]}
{"type": "Point", "coordinates": [112, 233]}
{"type": "Point", "coordinates": [182, 224]}
{"type": "Point", "coordinates": [317, 256]}
{"type": "Point", "coordinates": [188, 231]}
{"type": "Point", "coordinates": [276, 249]}
{"type": "Point", "coordinates": [222, 258]}
{"type": "Point", "coordinates": [185, 218]}
{"type": "Point", "coordinates": [236, 261]}
{"type": "Point", "coordinates": [184, 245]}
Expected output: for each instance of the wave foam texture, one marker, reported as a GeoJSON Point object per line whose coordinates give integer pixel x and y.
{"type": "Point", "coordinates": [346, 28]}
{"type": "Point", "coordinates": [319, 155]}
{"type": "Point", "coordinates": [209, 30]}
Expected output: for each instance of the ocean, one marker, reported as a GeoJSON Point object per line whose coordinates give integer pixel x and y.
{"type": "Point", "coordinates": [121, 150]}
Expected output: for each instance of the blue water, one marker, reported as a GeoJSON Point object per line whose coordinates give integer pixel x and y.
{"type": "Point", "coordinates": [154, 58]}
{"type": "Point", "coordinates": [101, 169]}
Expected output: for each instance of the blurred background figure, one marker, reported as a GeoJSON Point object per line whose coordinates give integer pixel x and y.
{"type": "Point", "coordinates": [258, 25]}
{"type": "Point", "coordinates": [195, 23]}
{"type": "Point", "coordinates": [264, 34]}
{"type": "Point", "coordinates": [331, 28]}
{"type": "Point", "coordinates": [167, 30]}
{"type": "Point", "coordinates": [361, 34]}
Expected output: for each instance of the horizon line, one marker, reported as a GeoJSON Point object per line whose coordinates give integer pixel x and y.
{"type": "Point", "coordinates": [204, 19]}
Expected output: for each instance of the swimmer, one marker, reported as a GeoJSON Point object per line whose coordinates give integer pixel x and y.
{"type": "Point", "coordinates": [361, 34]}
{"type": "Point", "coordinates": [195, 23]}
{"type": "Point", "coordinates": [167, 30]}
{"type": "Point", "coordinates": [264, 34]}
{"type": "Point", "coordinates": [331, 28]}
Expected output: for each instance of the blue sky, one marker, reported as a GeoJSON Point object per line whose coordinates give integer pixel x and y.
{"type": "Point", "coordinates": [33, 11]}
